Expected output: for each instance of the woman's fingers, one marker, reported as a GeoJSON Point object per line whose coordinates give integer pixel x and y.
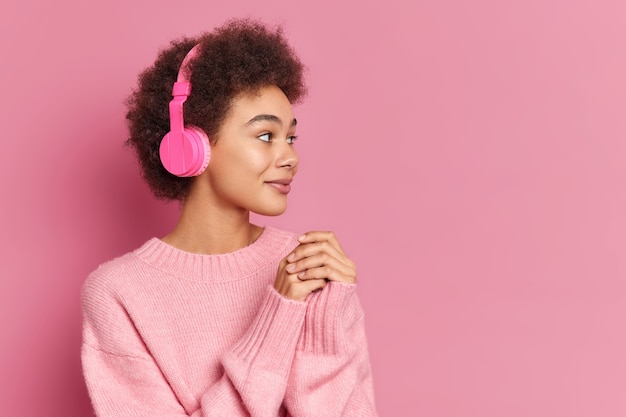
{"type": "Point", "coordinates": [290, 286]}
{"type": "Point", "coordinates": [330, 274]}
{"type": "Point", "coordinates": [320, 256]}
{"type": "Point", "coordinates": [297, 289]}
{"type": "Point", "coordinates": [320, 260]}
{"type": "Point", "coordinates": [311, 285]}
{"type": "Point", "coordinates": [308, 248]}
{"type": "Point", "coordinates": [310, 237]}
{"type": "Point", "coordinates": [304, 251]}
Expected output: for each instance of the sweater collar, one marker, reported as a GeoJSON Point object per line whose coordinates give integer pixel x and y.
{"type": "Point", "coordinates": [267, 250]}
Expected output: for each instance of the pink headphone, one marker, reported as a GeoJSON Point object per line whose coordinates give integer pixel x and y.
{"type": "Point", "coordinates": [184, 151]}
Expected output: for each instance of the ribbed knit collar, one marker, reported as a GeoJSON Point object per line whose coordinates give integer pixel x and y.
{"type": "Point", "coordinates": [269, 248]}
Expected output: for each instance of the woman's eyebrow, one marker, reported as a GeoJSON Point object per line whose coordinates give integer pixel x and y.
{"type": "Point", "coordinates": [268, 118]}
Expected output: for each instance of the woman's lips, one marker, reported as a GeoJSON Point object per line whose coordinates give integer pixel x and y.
{"type": "Point", "coordinates": [283, 186]}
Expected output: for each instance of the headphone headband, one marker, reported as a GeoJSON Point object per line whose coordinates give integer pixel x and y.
{"type": "Point", "coordinates": [193, 52]}
{"type": "Point", "coordinates": [180, 92]}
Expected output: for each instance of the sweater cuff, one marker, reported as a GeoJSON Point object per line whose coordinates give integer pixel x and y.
{"type": "Point", "coordinates": [270, 342]}
{"type": "Point", "coordinates": [330, 313]}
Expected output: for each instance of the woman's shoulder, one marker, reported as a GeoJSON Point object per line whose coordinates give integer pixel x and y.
{"type": "Point", "coordinates": [114, 273]}
{"type": "Point", "coordinates": [283, 240]}
{"type": "Point", "coordinates": [279, 233]}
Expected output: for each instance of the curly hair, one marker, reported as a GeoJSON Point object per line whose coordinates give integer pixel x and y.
{"type": "Point", "coordinates": [240, 56]}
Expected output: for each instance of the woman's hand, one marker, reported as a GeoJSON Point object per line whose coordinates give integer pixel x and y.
{"type": "Point", "coordinates": [290, 286]}
{"type": "Point", "coordinates": [316, 260]}
{"type": "Point", "coordinates": [319, 256]}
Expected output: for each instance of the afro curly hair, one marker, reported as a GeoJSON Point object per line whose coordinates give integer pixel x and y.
{"type": "Point", "coordinates": [239, 57]}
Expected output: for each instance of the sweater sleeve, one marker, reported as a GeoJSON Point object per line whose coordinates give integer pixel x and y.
{"type": "Point", "coordinates": [331, 373]}
{"type": "Point", "coordinates": [124, 379]}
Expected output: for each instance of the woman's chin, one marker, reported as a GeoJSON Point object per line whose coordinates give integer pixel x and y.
{"type": "Point", "coordinates": [270, 211]}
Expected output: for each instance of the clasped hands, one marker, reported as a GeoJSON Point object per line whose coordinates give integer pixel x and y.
{"type": "Point", "coordinates": [317, 260]}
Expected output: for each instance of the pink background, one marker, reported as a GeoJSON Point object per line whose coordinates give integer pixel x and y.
{"type": "Point", "coordinates": [469, 154]}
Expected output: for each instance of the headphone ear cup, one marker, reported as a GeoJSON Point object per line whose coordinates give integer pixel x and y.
{"type": "Point", "coordinates": [186, 156]}
{"type": "Point", "coordinates": [204, 149]}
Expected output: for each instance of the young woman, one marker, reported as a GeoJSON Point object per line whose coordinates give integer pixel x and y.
{"type": "Point", "coordinates": [222, 317]}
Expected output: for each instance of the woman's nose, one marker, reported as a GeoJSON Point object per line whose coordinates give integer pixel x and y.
{"type": "Point", "coordinates": [287, 156]}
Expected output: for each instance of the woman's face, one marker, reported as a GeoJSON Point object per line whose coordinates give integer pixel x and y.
{"type": "Point", "coordinates": [253, 159]}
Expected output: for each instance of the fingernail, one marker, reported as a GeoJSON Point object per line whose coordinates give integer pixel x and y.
{"type": "Point", "coordinates": [301, 237]}
{"type": "Point", "coordinates": [291, 267]}
{"type": "Point", "coordinates": [291, 257]}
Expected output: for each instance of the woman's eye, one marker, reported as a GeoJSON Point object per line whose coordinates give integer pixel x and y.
{"type": "Point", "coordinates": [291, 139]}
{"type": "Point", "coordinates": [265, 137]}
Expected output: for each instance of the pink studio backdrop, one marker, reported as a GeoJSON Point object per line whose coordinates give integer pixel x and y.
{"type": "Point", "coordinates": [469, 154]}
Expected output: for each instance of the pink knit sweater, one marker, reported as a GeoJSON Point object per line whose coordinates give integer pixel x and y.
{"type": "Point", "coordinates": [170, 333]}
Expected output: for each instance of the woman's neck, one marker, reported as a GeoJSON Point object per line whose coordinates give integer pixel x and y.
{"type": "Point", "coordinates": [206, 229]}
